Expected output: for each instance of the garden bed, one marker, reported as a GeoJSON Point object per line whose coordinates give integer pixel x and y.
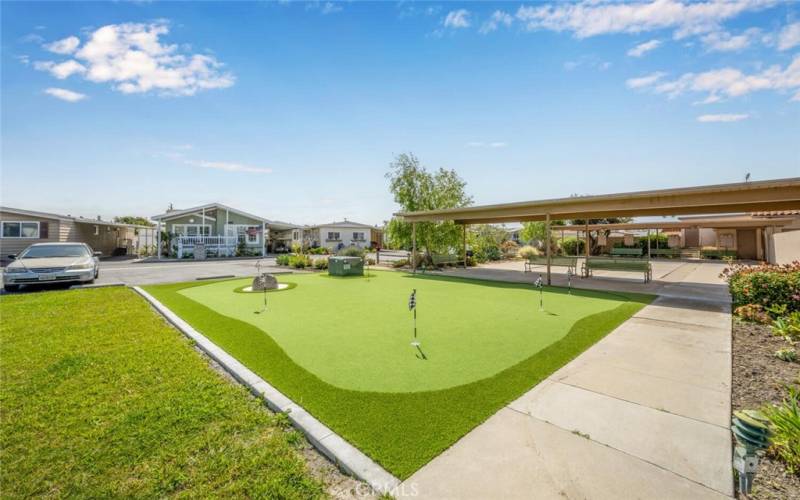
{"type": "Point", "coordinates": [758, 378]}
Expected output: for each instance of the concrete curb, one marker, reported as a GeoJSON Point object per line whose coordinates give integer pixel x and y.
{"type": "Point", "coordinates": [97, 285]}
{"type": "Point", "coordinates": [334, 447]}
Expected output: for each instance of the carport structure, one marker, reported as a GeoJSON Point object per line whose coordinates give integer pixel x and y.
{"type": "Point", "coordinates": [756, 196]}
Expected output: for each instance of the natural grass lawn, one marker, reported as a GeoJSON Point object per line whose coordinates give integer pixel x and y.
{"type": "Point", "coordinates": [340, 348]}
{"type": "Point", "coordinates": [101, 398]}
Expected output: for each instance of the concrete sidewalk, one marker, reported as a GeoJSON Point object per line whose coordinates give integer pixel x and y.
{"type": "Point", "coordinates": [644, 413]}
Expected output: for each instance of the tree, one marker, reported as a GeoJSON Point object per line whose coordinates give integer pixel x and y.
{"type": "Point", "coordinates": [537, 230]}
{"type": "Point", "coordinates": [594, 247]}
{"type": "Point", "coordinates": [414, 189]}
{"type": "Point", "coordinates": [133, 219]}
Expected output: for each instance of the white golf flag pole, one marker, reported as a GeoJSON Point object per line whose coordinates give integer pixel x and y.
{"type": "Point", "coordinates": [539, 285]}
{"type": "Point", "coordinates": [412, 306]}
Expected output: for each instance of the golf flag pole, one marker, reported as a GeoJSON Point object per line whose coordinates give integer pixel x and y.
{"type": "Point", "coordinates": [539, 285]}
{"type": "Point", "coordinates": [569, 281]}
{"type": "Point", "coordinates": [412, 306]}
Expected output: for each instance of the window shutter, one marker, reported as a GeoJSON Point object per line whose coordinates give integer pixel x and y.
{"type": "Point", "coordinates": [44, 230]}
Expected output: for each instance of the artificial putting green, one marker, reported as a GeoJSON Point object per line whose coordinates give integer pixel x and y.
{"type": "Point", "coordinates": [340, 347]}
{"type": "Point", "coordinates": [356, 333]}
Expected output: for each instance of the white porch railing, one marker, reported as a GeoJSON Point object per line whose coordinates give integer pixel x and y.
{"type": "Point", "coordinates": [223, 245]}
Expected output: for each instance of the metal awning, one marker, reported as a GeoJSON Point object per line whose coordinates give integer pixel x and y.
{"type": "Point", "coordinates": [757, 196]}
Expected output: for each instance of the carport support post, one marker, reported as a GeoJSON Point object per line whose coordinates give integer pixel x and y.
{"type": "Point", "coordinates": [414, 247]}
{"type": "Point", "coordinates": [464, 232]}
{"type": "Point", "coordinates": [547, 228]}
{"type": "Point", "coordinates": [263, 238]}
{"type": "Point", "coordinates": [648, 244]}
{"type": "Point", "coordinates": [158, 240]}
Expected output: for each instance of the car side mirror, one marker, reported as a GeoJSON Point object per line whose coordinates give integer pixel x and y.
{"type": "Point", "coordinates": [12, 257]}
{"type": "Point", "coordinates": [97, 254]}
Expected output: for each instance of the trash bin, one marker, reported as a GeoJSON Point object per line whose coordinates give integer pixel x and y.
{"type": "Point", "coordinates": [346, 266]}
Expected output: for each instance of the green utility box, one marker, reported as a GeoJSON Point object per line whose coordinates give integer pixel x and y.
{"type": "Point", "coordinates": [346, 266]}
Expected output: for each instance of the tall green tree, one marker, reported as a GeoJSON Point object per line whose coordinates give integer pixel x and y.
{"type": "Point", "coordinates": [537, 230]}
{"type": "Point", "coordinates": [415, 188]}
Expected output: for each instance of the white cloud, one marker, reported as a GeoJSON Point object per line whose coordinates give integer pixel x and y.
{"type": "Point", "coordinates": [330, 8]}
{"type": "Point", "coordinates": [65, 95]}
{"type": "Point", "coordinates": [457, 19]}
{"type": "Point", "coordinates": [61, 70]}
{"type": "Point", "coordinates": [132, 58]}
{"type": "Point", "coordinates": [497, 19]}
{"type": "Point", "coordinates": [592, 17]}
{"type": "Point", "coordinates": [228, 166]}
{"type": "Point", "coordinates": [729, 82]}
{"type": "Point", "coordinates": [789, 36]}
{"type": "Point", "coordinates": [722, 41]}
{"type": "Point", "coordinates": [644, 81]}
{"type": "Point", "coordinates": [493, 145]}
{"type": "Point", "coordinates": [64, 46]}
{"type": "Point", "coordinates": [644, 48]}
{"type": "Point", "coordinates": [722, 118]}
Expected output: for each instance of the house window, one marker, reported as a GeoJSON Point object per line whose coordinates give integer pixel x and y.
{"type": "Point", "coordinates": [252, 234]}
{"type": "Point", "coordinates": [20, 229]}
{"type": "Point", "coordinates": [358, 237]}
{"type": "Point", "coordinates": [191, 229]}
{"type": "Point", "coordinates": [296, 235]}
{"type": "Point", "coordinates": [96, 230]}
{"type": "Point", "coordinates": [332, 236]}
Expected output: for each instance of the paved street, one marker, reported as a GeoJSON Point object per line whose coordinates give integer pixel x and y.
{"type": "Point", "coordinates": [131, 272]}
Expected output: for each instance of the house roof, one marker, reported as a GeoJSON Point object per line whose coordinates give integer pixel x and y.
{"type": "Point", "coordinates": [80, 220]}
{"type": "Point", "coordinates": [344, 223]}
{"type": "Point", "coordinates": [187, 211]}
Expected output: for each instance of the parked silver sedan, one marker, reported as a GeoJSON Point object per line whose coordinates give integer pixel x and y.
{"type": "Point", "coordinates": [52, 263]}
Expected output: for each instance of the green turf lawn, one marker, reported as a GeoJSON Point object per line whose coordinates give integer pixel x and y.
{"type": "Point", "coordinates": [340, 347]}
{"type": "Point", "coordinates": [100, 398]}
{"type": "Point", "coordinates": [356, 333]}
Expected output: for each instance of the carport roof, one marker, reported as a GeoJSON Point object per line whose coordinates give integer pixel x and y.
{"type": "Point", "coordinates": [769, 195]}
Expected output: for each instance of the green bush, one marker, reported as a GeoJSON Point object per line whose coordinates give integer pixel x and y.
{"type": "Point", "coordinates": [788, 354]}
{"type": "Point", "coordinates": [788, 326]}
{"type": "Point", "coordinates": [573, 246]}
{"type": "Point", "coordinates": [351, 252]}
{"type": "Point", "coordinates": [321, 263]}
{"type": "Point", "coordinates": [297, 248]}
{"type": "Point", "coordinates": [299, 261]}
{"type": "Point", "coordinates": [318, 251]}
{"type": "Point", "coordinates": [283, 259]}
{"type": "Point", "coordinates": [400, 263]}
{"type": "Point", "coordinates": [785, 419]}
{"type": "Point", "coordinates": [528, 251]}
{"type": "Point", "coordinates": [766, 285]}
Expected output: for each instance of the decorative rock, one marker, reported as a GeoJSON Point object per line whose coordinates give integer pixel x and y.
{"type": "Point", "coordinates": [264, 282]}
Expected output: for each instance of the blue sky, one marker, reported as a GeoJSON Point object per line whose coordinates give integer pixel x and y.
{"type": "Point", "coordinates": [294, 110]}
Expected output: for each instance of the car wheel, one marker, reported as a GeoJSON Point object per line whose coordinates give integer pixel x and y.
{"type": "Point", "coordinates": [11, 288]}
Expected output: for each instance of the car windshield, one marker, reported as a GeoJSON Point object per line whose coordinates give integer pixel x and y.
{"type": "Point", "coordinates": [44, 251]}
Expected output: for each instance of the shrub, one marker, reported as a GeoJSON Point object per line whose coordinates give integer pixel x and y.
{"type": "Point", "coordinates": [785, 419]}
{"type": "Point", "coordinates": [321, 263]}
{"type": "Point", "coordinates": [351, 252]}
{"type": "Point", "coordinates": [572, 245]}
{"type": "Point", "coordinates": [400, 263]}
{"type": "Point", "coordinates": [297, 248]}
{"type": "Point", "coordinates": [788, 326]}
{"type": "Point", "coordinates": [753, 312]}
{"type": "Point", "coordinates": [299, 261]}
{"type": "Point", "coordinates": [528, 251]}
{"type": "Point", "coordinates": [318, 251]}
{"type": "Point", "coordinates": [765, 284]}
{"type": "Point", "coordinates": [369, 261]}
{"type": "Point", "coordinates": [509, 248]}
{"type": "Point", "coordinates": [282, 259]}
{"type": "Point", "coordinates": [788, 354]}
